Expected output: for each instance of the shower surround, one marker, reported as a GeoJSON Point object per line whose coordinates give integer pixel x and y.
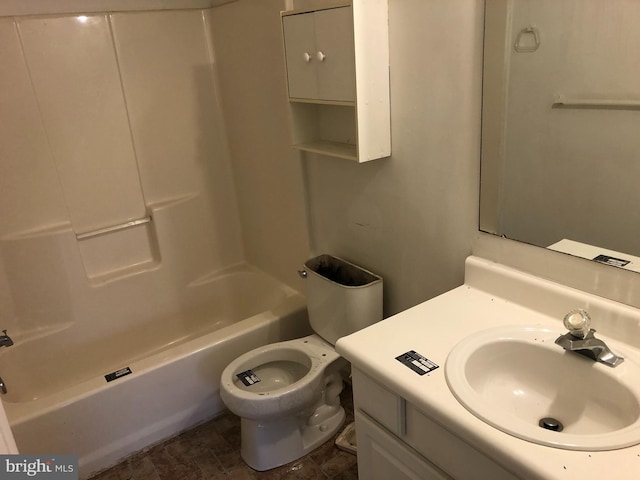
{"type": "Point", "coordinates": [121, 241]}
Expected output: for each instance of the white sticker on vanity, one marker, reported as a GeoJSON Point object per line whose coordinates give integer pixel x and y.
{"type": "Point", "coordinates": [248, 377]}
{"type": "Point", "coordinates": [417, 362]}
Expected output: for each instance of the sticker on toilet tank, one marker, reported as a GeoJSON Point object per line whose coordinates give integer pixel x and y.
{"type": "Point", "coordinates": [248, 378]}
{"type": "Point", "coordinates": [416, 362]}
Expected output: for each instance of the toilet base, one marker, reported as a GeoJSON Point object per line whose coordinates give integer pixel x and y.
{"type": "Point", "coordinates": [270, 444]}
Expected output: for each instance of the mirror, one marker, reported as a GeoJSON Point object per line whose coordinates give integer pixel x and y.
{"type": "Point", "coordinates": [561, 125]}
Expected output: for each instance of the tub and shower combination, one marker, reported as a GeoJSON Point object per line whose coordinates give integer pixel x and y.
{"type": "Point", "coordinates": [124, 279]}
{"type": "Point", "coordinates": [110, 400]}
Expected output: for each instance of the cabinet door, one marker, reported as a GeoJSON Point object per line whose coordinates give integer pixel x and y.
{"type": "Point", "coordinates": [300, 54]}
{"type": "Point", "coordinates": [335, 59]}
{"type": "Point", "coordinates": [381, 456]}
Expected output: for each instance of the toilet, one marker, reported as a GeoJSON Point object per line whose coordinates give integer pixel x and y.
{"type": "Point", "coordinates": [287, 394]}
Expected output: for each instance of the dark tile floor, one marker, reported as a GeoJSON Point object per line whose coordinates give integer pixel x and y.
{"type": "Point", "coordinates": [211, 451]}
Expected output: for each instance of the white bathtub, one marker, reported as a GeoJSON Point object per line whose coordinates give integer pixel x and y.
{"type": "Point", "coordinates": [60, 402]}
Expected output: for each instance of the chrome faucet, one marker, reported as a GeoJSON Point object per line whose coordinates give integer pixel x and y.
{"type": "Point", "coordinates": [580, 339]}
{"type": "Point", "coordinates": [5, 340]}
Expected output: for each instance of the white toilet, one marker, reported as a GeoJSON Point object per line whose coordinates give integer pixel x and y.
{"type": "Point", "coordinates": [288, 393]}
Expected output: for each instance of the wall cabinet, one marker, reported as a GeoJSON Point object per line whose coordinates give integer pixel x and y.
{"type": "Point", "coordinates": [337, 61]}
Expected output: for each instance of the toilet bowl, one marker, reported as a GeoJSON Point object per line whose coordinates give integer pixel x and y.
{"type": "Point", "coordinates": [287, 394]}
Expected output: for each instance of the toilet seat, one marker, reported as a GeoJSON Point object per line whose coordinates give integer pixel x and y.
{"type": "Point", "coordinates": [290, 377]}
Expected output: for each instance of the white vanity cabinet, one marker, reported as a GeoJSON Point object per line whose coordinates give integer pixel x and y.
{"type": "Point", "coordinates": [396, 440]}
{"type": "Point", "coordinates": [337, 60]}
{"type": "Point", "coordinates": [381, 456]}
{"type": "Point", "coordinates": [409, 422]}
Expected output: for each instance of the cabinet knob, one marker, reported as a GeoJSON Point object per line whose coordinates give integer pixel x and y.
{"type": "Point", "coordinates": [307, 57]}
{"type": "Point", "coordinates": [320, 56]}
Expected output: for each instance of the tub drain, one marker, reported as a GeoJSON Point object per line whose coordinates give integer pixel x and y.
{"type": "Point", "coordinates": [550, 423]}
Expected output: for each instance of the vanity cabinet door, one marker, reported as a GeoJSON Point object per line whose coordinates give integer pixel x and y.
{"type": "Point", "coordinates": [319, 52]}
{"type": "Point", "coordinates": [383, 457]}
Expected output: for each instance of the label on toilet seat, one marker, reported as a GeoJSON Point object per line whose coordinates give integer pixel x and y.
{"type": "Point", "coordinates": [416, 362]}
{"type": "Point", "coordinates": [248, 377]}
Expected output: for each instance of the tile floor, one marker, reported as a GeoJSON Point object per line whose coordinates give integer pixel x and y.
{"type": "Point", "coordinates": [211, 451]}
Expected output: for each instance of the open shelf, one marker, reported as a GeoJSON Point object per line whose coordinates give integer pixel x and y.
{"type": "Point", "coordinates": [325, 128]}
{"type": "Point", "coordinates": [347, 151]}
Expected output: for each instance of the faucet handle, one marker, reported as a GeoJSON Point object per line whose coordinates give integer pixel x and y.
{"type": "Point", "coordinates": [578, 322]}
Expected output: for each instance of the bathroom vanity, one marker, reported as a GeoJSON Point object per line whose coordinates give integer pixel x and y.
{"type": "Point", "coordinates": [411, 424]}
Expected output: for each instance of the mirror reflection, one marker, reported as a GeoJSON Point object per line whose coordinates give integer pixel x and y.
{"type": "Point", "coordinates": [561, 125]}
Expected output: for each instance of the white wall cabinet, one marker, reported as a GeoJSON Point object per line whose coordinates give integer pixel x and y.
{"type": "Point", "coordinates": [338, 79]}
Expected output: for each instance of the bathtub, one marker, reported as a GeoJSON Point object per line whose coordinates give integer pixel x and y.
{"type": "Point", "coordinates": [60, 401]}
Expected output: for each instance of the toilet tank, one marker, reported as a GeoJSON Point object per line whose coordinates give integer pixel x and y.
{"type": "Point", "coordinates": [342, 298]}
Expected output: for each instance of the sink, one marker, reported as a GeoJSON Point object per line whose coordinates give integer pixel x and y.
{"type": "Point", "coordinates": [517, 380]}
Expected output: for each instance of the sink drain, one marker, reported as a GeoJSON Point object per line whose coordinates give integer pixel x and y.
{"type": "Point", "coordinates": [550, 423]}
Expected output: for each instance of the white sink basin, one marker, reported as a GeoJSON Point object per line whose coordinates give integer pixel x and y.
{"type": "Point", "coordinates": [512, 377]}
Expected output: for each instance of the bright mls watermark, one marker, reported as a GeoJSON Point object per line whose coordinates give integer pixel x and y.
{"type": "Point", "coordinates": [42, 467]}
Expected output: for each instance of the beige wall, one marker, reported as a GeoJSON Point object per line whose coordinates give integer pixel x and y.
{"type": "Point", "coordinates": [249, 62]}
{"type": "Point", "coordinates": [413, 217]}
{"type": "Point", "coordinates": [410, 218]}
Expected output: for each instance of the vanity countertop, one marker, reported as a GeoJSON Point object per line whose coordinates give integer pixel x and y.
{"type": "Point", "coordinates": [434, 327]}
